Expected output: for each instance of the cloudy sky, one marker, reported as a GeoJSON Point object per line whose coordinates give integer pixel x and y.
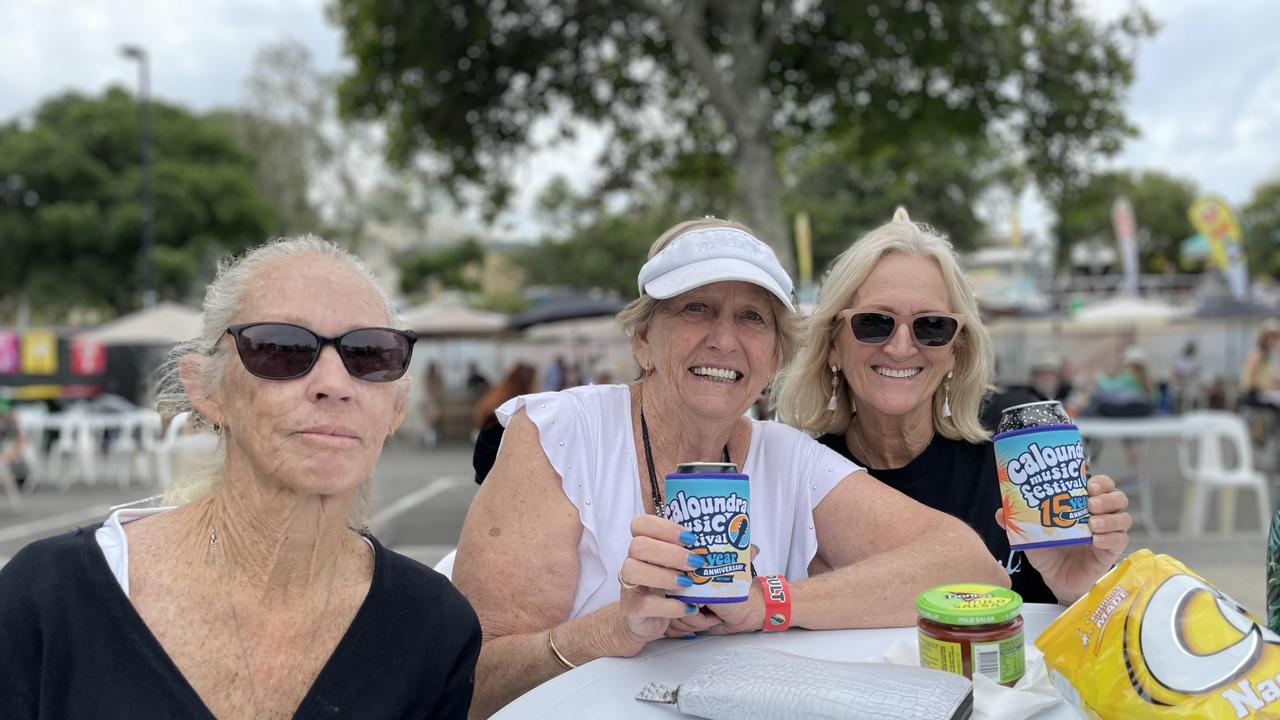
{"type": "Point", "coordinates": [1206, 98]}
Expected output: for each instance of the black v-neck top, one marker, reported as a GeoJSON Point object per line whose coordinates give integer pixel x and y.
{"type": "Point", "coordinates": [73, 646]}
{"type": "Point", "coordinates": [959, 478]}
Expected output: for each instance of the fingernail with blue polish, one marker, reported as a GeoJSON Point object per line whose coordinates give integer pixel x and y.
{"type": "Point", "coordinates": [684, 581]}
{"type": "Point", "coordinates": [690, 608]}
{"type": "Point", "coordinates": [688, 538]}
{"type": "Point", "coordinates": [690, 636]}
{"type": "Point", "coordinates": [696, 561]}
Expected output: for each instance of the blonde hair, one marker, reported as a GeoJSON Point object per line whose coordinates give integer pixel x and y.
{"type": "Point", "coordinates": [638, 313]}
{"type": "Point", "coordinates": [804, 387]}
{"type": "Point", "coordinates": [221, 304]}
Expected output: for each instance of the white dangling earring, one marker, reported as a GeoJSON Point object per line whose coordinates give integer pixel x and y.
{"type": "Point", "coordinates": [835, 382]}
{"type": "Point", "coordinates": [946, 397]}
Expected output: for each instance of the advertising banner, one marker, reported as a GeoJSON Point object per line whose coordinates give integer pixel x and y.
{"type": "Point", "coordinates": [39, 352]}
{"type": "Point", "coordinates": [1215, 220]}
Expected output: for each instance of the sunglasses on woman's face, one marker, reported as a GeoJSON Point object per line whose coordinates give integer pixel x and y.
{"type": "Point", "coordinates": [930, 330]}
{"type": "Point", "coordinates": [283, 351]}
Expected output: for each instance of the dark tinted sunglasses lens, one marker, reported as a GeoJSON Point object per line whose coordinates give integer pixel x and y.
{"type": "Point", "coordinates": [375, 354]}
{"type": "Point", "coordinates": [934, 330]}
{"type": "Point", "coordinates": [277, 352]}
{"type": "Point", "coordinates": [871, 328]}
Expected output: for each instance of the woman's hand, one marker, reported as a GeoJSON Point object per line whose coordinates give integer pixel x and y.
{"type": "Point", "coordinates": [746, 616]}
{"type": "Point", "coordinates": [1070, 571]}
{"type": "Point", "coordinates": [655, 564]}
{"type": "Point", "coordinates": [725, 618]}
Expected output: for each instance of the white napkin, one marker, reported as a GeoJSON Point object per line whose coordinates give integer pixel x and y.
{"type": "Point", "coordinates": [991, 700]}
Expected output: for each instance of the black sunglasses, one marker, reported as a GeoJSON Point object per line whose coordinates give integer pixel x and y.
{"type": "Point", "coordinates": [931, 330]}
{"type": "Point", "coordinates": [283, 351]}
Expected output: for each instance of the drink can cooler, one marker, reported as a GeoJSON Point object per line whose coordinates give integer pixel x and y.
{"type": "Point", "coordinates": [1042, 470]}
{"type": "Point", "coordinates": [714, 505]}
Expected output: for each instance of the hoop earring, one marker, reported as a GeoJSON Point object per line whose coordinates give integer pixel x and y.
{"type": "Point", "coordinates": [946, 396]}
{"type": "Point", "coordinates": [835, 382]}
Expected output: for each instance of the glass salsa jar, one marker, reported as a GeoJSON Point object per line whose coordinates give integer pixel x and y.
{"type": "Point", "coordinates": [969, 628]}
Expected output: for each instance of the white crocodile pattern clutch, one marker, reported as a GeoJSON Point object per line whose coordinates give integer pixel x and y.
{"type": "Point", "coordinates": [753, 683]}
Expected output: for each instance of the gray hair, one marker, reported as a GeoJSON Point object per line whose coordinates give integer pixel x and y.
{"type": "Point", "coordinates": [639, 312]}
{"type": "Point", "coordinates": [805, 386]}
{"type": "Point", "coordinates": [222, 301]}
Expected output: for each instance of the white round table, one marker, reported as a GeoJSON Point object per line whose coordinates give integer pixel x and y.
{"type": "Point", "coordinates": [607, 687]}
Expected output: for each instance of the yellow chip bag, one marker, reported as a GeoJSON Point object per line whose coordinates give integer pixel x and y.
{"type": "Point", "coordinates": [1153, 639]}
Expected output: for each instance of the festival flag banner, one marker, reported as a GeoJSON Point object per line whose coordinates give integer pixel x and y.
{"type": "Point", "coordinates": [39, 352]}
{"type": "Point", "coordinates": [1125, 225]}
{"type": "Point", "coordinates": [804, 258]}
{"type": "Point", "coordinates": [88, 357]}
{"type": "Point", "coordinates": [1213, 217]}
{"type": "Point", "coordinates": [10, 355]}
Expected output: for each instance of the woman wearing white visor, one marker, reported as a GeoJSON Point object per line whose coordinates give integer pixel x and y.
{"type": "Point", "coordinates": [564, 555]}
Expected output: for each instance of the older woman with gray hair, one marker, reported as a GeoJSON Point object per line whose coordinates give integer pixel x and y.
{"type": "Point", "coordinates": [567, 552]}
{"type": "Point", "coordinates": [259, 596]}
{"type": "Point", "coordinates": [891, 376]}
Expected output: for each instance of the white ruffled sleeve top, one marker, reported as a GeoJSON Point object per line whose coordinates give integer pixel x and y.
{"type": "Point", "coordinates": [586, 433]}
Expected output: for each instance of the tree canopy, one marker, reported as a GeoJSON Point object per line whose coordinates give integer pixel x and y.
{"type": "Point", "coordinates": [1262, 229]}
{"type": "Point", "coordinates": [70, 214]}
{"type": "Point", "coordinates": [1160, 203]}
{"type": "Point", "coordinates": [741, 80]}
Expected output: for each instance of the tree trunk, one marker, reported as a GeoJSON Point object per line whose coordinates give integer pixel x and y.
{"type": "Point", "coordinates": [760, 191]}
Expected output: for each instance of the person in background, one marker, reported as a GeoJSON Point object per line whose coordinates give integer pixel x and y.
{"type": "Point", "coordinates": [11, 445]}
{"type": "Point", "coordinates": [432, 404]}
{"type": "Point", "coordinates": [891, 374]}
{"type": "Point", "coordinates": [1046, 383]}
{"type": "Point", "coordinates": [519, 380]}
{"type": "Point", "coordinates": [1258, 382]}
{"type": "Point", "coordinates": [1185, 380]}
{"type": "Point", "coordinates": [553, 377]}
{"type": "Point", "coordinates": [572, 376]}
{"type": "Point", "coordinates": [603, 372]}
{"type": "Point", "coordinates": [477, 383]}
{"type": "Point", "coordinates": [257, 593]}
{"type": "Point", "coordinates": [1125, 392]}
{"type": "Point", "coordinates": [567, 552]}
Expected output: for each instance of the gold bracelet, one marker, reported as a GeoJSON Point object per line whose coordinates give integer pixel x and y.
{"type": "Point", "coordinates": [551, 644]}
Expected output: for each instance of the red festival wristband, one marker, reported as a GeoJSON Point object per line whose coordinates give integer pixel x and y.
{"type": "Point", "coordinates": [777, 603]}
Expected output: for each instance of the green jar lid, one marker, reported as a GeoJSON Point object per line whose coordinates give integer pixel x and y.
{"type": "Point", "coordinates": [969, 604]}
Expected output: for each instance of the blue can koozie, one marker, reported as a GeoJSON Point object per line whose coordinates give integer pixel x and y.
{"type": "Point", "coordinates": [714, 506]}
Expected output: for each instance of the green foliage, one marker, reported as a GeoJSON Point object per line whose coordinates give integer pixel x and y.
{"type": "Point", "coordinates": [732, 80]}
{"type": "Point", "coordinates": [848, 190]}
{"type": "Point", "coordinates": [453, 267]}
{"type": "Point", "coordinates": [70, 218]}
{"type": "Point", "coordinates": [1160, 203]}
{"type": "Point", "coordinates": [1262, 229]}
{"type": "Point", "coordinates": [595, 247]}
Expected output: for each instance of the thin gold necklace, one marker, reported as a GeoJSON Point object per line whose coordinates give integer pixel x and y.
{"type": "Point", "coordinates": [220, 563]}
{"type": "Point", "coordinates": [860, 451]}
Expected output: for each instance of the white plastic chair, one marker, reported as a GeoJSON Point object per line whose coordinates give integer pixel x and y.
{"type": "Point", "coordinates": [73, 455]}
{"type": "Point", "coordinates": [177, 452]}
{"type": "Point", "coordinates": [150, 430]}
{"type": "Point", "coordinates": [135, 438]}
{"type": "Point", "coordinates": [1208, 432]}
{"type": "Point", "coordinates": [162, 451]}
{"type": "Point", "coordinates": [445, 566]}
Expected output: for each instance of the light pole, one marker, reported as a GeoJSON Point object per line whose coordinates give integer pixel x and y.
{"type": "Point", "coordinates": [136, 52]}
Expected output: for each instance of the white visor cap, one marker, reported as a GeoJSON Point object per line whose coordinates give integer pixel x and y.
{"type": "Point", "coordinates": [709, 255]}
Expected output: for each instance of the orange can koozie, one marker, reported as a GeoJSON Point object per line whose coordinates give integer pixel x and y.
{"type": "Point", "coordinates": [1042, 469]}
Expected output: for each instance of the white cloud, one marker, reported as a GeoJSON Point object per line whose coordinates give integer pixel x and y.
{"type": "Point", "coordinates": [201, 50]}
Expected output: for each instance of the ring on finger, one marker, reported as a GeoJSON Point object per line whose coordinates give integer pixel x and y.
{"type": "Point", "coordinates": [626, 585]}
